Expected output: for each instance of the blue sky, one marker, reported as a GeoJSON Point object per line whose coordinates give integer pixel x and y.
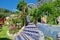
{"type": "Point", "coordinates": [11, 4]}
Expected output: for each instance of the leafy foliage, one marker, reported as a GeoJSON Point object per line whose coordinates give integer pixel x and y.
{"type": "Point", "coordinates": [33, 14]}
{"type": "Point", "coordinates": [51, 9]}
{"type": "Point", "coordinates": [4, 12]}
{"type": "Point", "coordinates": [48, 38]}
{"type": "Point", "coordinates": [21, 5]}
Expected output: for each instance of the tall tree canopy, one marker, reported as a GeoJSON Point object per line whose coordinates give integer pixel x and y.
{"type": "Point", "coordinates": [51, 9]}
{"type": "Point", "coordinates": [22, 6]}
{"type": "Point", "coordinates": [4, 12]}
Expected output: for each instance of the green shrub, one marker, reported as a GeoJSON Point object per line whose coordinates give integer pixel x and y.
{"type": "Point", "coordinates": [48, 38]}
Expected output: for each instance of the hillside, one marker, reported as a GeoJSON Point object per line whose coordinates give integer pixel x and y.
{"type": "Point", "coordinates": [5, 12]}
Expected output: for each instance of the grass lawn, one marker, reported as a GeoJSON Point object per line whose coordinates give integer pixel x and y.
{"type": "Point", "coordinates": [3, 33]}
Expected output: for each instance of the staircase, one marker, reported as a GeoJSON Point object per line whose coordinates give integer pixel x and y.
{"type": "Point", "coordinates": [30, 32]}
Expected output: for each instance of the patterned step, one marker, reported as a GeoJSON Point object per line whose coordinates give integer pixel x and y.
{"type": "Point", "coordinates": [33, 32]}
{"type": "Point", "coordinates": [30, 32]}
{"type": "Point", "coordinates": [32, 35]}
{"type": "Point", "coordinates": [19, 37]}
{"type": "Point", "coordinates": [30, 27]}
{"type": "Point", "coordinates": [24, 36]}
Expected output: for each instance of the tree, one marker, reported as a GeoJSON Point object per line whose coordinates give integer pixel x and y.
{"type": "Point", "coordinates": [51, 9]}
{"type": "Point", "coordinates": [4, 12]}
{"type": "Point", "coordinates": [33, 14]}
{"type": "Point", "coordinates": [22, 6]}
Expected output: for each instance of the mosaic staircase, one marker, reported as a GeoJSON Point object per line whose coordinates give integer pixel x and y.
{"type": "Point", "coordinates": [30, 32]}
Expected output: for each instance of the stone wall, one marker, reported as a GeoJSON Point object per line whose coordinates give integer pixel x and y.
{"type": "Point", "coordinates": [49, 30]}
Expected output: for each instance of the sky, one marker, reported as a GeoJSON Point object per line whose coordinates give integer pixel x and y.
{"type": "Point", "coordinates": [11, 4]}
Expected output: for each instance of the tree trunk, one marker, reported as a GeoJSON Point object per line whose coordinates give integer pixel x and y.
{"type": "Point", "coordinates": [24, 13]}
